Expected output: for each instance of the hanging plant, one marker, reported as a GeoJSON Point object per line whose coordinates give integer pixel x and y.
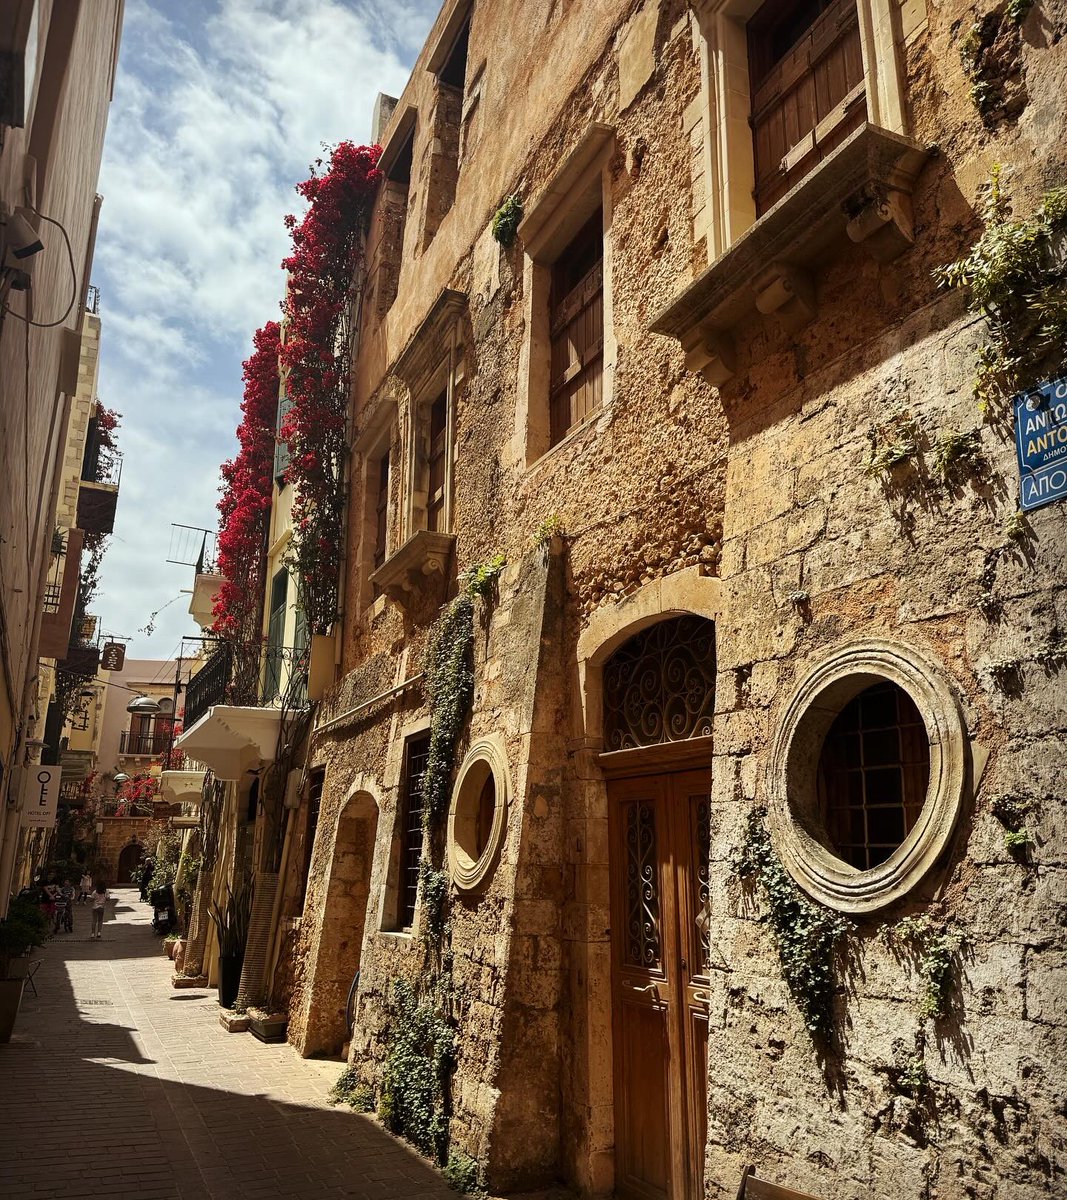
{"type": "Point", "coordinates": [449, 689]}
{"type": "Point", "coordinates": [321, 304]}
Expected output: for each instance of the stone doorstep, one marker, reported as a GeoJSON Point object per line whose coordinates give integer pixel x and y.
{"type": "Point", "coordinates": [188, 981]}
{"type": "Point", "coordinates": [233, 1022]}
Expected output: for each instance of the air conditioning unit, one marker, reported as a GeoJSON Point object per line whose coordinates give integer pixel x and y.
{"type": "Point", "coordinates": [19, 21]}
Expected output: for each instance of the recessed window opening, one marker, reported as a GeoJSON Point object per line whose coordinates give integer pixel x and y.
{"type": "Point", "coordinates": [381, 510]}
{"type": "Point", "coordinates": [808, 88]}
{"type": "Point", "coordinates": [435, 500]}
{"type": "Point", "coordinates": [576, 329]}
{"type": "Point", "coordinates": [399, 170]}
{"type": "Point", "coordinates": [417, 752]}
{"type": "Point", "coordinates": [454, 72]}
{"type": "Point", "coordinates": [279, 599]}
{"type": "Point", "coordinates": [874, 770]}
{"type": "Point", "coordinates": [318, 778]}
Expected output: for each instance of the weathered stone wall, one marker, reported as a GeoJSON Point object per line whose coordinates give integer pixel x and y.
{"type": "Point", "coordinates": [116, 835]}
{"type": "Point", "coordinates": [764, 485]}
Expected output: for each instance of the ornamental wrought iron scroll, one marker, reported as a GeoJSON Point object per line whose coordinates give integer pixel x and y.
{"type": "Point", "coordinates": [701, 878]}
{"type": "Point", "coordinates": [660, 685]}
{"type": "Point", "coordinates": [642, 886]}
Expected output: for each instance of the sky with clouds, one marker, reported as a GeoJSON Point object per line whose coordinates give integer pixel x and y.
{"type": "Point", "coordinates": [219, 107]}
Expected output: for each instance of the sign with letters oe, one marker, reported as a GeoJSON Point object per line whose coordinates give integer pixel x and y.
{"type": "Point", "coordinates": [40, 796]}
{"type": "Point", "coordinates": [1041, 444]}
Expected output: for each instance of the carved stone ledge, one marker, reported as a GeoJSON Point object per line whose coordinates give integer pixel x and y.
{"type": "Point", "coordinates": [861, 193]}
{"type": "Point", "coordinates": [421, 562]}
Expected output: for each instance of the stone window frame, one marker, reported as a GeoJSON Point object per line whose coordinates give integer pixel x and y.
{"type": "Point", "coordinates": [372, 445]}
{"type": "Point", "coordinates": [718, 121]}
{"type": "Point", "coordinates": [388, 908]}
{"type": "Point", "coordinates": [445, 376]}
{"type": "Point", "coordinates": [470, 874]}
{"type": "Point", "coordinates": [792, 769]}
{"type": "Point", "coordinates": [580, 185]}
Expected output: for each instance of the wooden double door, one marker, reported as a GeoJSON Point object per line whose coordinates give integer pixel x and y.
{"type": "Point", "coordinates": [660, 845]}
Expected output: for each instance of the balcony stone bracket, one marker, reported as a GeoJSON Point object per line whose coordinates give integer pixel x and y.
{"type": "Point", "coordinates": [182, 787]}
{"type": "Point", "coordinates": [231, 740]}
{"type": "Point", "coordinates": [420, 563]}
{"type": "Point", "coordinates": [861, 193]}
{"type": "Point", "coordinates": [202, 602]}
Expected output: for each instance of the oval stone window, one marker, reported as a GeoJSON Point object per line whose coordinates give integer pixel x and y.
{"type": "Point", "coordinates": [477, 817]}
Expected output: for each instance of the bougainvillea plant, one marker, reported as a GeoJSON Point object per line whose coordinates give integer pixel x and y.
{"type": "Point", "coordinates": [107, 421]}
{"type": "Point", "coordinates": [321, 306]}
{"type": "Point", "coordinates": [244, 509]}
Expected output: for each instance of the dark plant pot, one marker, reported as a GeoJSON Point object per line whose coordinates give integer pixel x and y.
{"type": "Point", "coordinates": [10, 999]}
{"type": "Point", "coordinates": [229, 978]}
{"type": "Point", "coordinates": [269, 1029]}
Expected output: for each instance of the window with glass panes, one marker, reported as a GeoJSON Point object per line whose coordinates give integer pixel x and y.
{"type": "Point", "coordinates": [874, 770]}
{"type": "Point", "coordinates": [416, 753]}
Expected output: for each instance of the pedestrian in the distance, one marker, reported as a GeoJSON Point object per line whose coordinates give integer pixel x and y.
{"type": "Point", "coordinates": [100, 898]}
{"type": "Point", "coordinates": [85, 887]}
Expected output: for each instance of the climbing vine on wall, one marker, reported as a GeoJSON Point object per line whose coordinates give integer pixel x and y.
{"type": "Point", "coordinates": [934, 947]}
{"type": "Point", "coordinates": [1015, 277]}
{"type": "Point", "coordinates": [806, 935]}
{"type": "Point", "coordinates": [414, 1099]}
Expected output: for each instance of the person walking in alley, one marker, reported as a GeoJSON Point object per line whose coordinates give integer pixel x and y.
{"type": "Point", "coordinates": [100, 898]}
{"type": "Point", "coordinates": [85, 887]}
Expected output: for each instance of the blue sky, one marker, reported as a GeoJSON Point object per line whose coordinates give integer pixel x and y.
{"type": "Point", "coordinates": [219, 107]}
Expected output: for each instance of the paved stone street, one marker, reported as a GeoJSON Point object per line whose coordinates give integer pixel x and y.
{"type": "Point", "coordinates": [117, 1085]}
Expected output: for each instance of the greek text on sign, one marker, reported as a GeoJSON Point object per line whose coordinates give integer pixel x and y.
{"type": "Point", "coordinates": [40, 796]}
{"type": "Point", "coordinates": [1041, 443]}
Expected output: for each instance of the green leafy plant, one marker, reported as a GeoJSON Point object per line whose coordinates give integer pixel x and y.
{"type": "Point", "coordinates": [1014, 277]}
{"type": "Point", "coordinates": [935, 948]}
{"type": "Point", "coordinates": [24, 927]}
{"type": "Point", "coordinates": [449, 672]}
{"type": "Point", "coordinates": [957, 455]}
{"type": "Point", "coordinates": [481, 579]}
{"type": "Point", "coordinates": [550, 527]}
{"type": "Point", "coordinates": [893, 442]}
{"type": "Point", "coordinates": [913, 1076]}
{"type": "Point", "coordinates": [414, 1100]}
{"type": "Point", "coordinates": [506, 220]}
{"type": "Point", "coordinates": [1016, 527]}
{"type": "Point", "coordinates": [167, 856]}
{"type": "Point", "coordinates": [464, 1174]}
{"type": "Point", "coordinates": [231, 921]}
{"type": "Point", "coordinates": [434, 886]}
{"type": "Point", "coordinates": [806, 935]}
{"type": "Point", "coordinates": [1018, 840]}
{"type": "Point", "coordinates": [1017, 10]}
{"type": "Point", "coordinates": [353, 1090]}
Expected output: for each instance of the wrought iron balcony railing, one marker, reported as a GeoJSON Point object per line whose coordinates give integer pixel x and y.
{"type": "Point", "coordinates": [153, 744]}
{"type": "Point", "coordinates": [249, 676]}
{"type": "Point", "coordinates": [92, 300]}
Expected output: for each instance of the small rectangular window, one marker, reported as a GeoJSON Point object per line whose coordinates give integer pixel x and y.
{"type": "Point", "coordinates": [281, 447]}
{"type": "Point", "coordinates": [435, 500]}
{"type": "Point", "coordinates": [576, 329]}
{"type": "Point", "coordinates": [416, 753]}
{"type": "Point", "coordinates": [381, 512]}
{"type": "Point", "coordinates": [279, 596]}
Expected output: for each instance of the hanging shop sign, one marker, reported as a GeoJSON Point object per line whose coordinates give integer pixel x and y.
{"type": "Point", "coordinates": [40, 796]}
{"type": "Point", "coordinates": [1041, 443]}
{"type": "Point", "coordinates": [112, 656]}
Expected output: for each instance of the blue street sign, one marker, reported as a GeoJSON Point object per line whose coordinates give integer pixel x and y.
{"type": "Point", "coordinates": [1041, 443]}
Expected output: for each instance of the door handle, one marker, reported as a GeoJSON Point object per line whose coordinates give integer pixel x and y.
{"type": "Point", "coordinates": [649, 988]}
{"type": "Point", "coordinates": [701, 995]}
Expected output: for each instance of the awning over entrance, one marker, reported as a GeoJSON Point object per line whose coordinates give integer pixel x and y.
{"type": "Point", "coordinates": [232, 740]}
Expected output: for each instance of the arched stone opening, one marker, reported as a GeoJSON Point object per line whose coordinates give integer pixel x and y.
{"type": "Point", "coordinates": [129, 857]}
{"type": "Point", "coordinates": [342, 922]}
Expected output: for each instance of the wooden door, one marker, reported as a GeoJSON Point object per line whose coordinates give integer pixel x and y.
{"type": "Point", "coordinates": [659, 867]}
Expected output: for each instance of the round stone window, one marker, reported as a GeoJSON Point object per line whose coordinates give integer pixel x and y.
{"type": "Point", "coordinates": [477, 818]}
{"type": "Point", "coordinates": [867, 776]}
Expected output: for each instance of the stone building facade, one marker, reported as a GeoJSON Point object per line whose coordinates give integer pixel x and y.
{"type": "Point", "coordinates": [697, 406]}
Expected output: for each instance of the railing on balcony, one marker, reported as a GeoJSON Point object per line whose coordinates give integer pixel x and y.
{"type": "Point", "coordinates": [82, 659]}
{"type": "Point", "coordinates": [153, 744]}
{"type": "Point", "coordinates": [92, 300]}
{"type": "Point", "coordinates": [126, 808]}
{"type": "Point", "coordinates": [251, 676]}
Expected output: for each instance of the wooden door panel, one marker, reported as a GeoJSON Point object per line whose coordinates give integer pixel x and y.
{"type": "Point", "coordinates": [644, 1167]}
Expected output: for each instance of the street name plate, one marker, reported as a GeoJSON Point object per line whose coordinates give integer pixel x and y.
{"type": "Point", "coordinates": [1041, 444]}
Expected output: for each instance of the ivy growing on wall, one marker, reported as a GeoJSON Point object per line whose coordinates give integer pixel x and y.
{"type": "Point", "coordinates": [414, 1100]}
{"type": "Point", "coordinates": [1014, 277]}
{"type": "Point", "coordinates": [934, 948]}
{"type": "Point", "coordinates": [806, 935]}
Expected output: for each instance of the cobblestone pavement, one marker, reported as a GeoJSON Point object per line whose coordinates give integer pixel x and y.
{"type": "Point", "coordinates": [117, 1085]}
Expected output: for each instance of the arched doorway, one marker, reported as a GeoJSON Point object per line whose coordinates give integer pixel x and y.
{"type": "Point", "coordinates": [130, 856]}
{"type": "Point", "coordinates": [658, 703]}
{"type": "Point", "coordinates": [344, 916]}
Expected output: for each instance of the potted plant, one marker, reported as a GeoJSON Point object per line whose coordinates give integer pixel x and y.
{"type": "Point", "coordinates": [24, 927]}
{"type": "Point", "coordinates": [231, 925]}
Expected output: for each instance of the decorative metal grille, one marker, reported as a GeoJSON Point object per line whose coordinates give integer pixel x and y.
{"type": "Point", "coordinates": [642, 886]}
{"type": "Point", "coordinates": [701, 878]}
{"type": "Point", "coordinates": [660, 685]}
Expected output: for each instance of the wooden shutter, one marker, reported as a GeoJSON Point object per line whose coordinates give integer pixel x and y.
{"type": "Point", "coordinates": [577, 333]}
{"type": "Point", "coordinates": [807, 98]}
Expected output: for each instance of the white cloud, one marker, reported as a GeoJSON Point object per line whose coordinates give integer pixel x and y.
{"type": "Point", "coordinates": [213, 123]}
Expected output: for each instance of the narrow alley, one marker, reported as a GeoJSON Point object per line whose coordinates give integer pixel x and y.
{"type": "Point", "coordinates": [116, 1085]}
